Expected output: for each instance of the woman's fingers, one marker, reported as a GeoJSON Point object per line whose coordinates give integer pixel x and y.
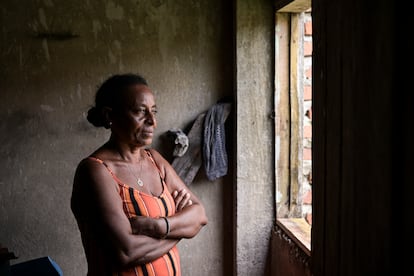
{"type": "Point", "coordinates": [182, 199]}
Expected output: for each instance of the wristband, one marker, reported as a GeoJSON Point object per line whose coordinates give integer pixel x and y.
{"type": "Point", "coordinates": [168, 228]}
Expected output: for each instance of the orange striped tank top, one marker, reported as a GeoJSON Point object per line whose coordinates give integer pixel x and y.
{"type": "Point", "coordinates": [136, 203]}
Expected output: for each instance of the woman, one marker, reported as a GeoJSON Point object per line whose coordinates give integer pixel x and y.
{"type": "Point", "coordinates": [130, 205]}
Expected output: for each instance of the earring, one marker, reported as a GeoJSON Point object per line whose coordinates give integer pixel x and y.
{"type": "Point", "coordinates": [110, 124]}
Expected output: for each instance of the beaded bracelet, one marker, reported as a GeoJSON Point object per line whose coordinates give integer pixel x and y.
{"type": "Point", "coordinates": [168, 228]}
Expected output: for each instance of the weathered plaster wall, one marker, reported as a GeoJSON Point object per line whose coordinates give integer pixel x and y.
{"type": "Point", "coordinates": [53, 55]}
{"type": "Point", "coordinates": [255, 139]}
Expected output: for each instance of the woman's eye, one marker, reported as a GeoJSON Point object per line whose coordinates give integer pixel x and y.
{"type": "Point", "coordinates": [144, 112]}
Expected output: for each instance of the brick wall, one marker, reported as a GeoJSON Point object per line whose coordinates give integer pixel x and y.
{"type": "Point", "coordinates": [307, 121]}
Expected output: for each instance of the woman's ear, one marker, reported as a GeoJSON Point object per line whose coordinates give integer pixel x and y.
{"type": "Point", "coordinates": [107, 114]}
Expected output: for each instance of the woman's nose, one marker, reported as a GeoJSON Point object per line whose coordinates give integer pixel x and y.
{"type": "Point", "coordinates": [150, 118]}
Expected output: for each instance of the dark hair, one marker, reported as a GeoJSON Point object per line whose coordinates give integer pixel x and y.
{"type": "Point", "coordinates": [108, 94]}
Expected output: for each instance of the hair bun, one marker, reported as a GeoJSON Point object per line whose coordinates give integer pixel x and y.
{"type": "Point", "coordinates": [95, 117]}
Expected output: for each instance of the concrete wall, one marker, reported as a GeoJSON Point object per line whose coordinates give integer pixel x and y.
{"type": "Point", "coordinates": [53, 55]}
{"type": "Point", "coordinates": [255, 188]}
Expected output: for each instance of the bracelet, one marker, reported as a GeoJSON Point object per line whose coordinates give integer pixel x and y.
{"type": "Point", "coordinates": [168, 228]}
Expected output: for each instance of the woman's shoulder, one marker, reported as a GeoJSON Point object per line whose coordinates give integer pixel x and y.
{"type": "Point", "coordinates": [99, 157]}
{"type": "Point", "coordinates": [89, 167]}
{"type": "Point", "coordinates": [94, 172]}
{"type": "Point", "coordinates": [157, 156]}
{"type": "Point", "coordinates": [98, 162]}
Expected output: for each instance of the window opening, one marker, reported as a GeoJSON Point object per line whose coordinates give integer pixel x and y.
{"type": "Point", "coordinates": [293, 109]}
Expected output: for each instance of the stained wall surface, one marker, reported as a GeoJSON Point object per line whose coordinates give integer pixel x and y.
{"type": "Point", "coordinates": [53, 55]}
{"type": "Point", "coordinates": [255, 211]}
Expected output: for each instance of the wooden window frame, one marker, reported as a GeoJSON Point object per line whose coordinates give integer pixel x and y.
{"type": "Point", "coordinates": [289, 119]}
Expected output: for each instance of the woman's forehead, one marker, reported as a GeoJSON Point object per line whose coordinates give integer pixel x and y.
{"type": "Point", "coordinates": [139, 94]}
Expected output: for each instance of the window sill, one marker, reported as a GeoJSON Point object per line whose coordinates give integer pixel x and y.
{"type": "Point", "coordinates": [298, 230]}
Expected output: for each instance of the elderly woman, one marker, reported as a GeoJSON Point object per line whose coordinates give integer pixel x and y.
{"type": "Point", "coordinates": [130, 205]}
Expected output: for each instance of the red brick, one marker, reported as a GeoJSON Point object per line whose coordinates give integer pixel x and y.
{"type": "Point", "coordinates": [307, 154]}
{"type": "Point", "coordinates": [308, 28]}
{"type": "Point", "coordinates": [307, 198]}
{"type": "Point", "coordinates": [308, 73]}
{"type": "Point", "coordinates": [309, 218]}
{"type": "Point", "coordinates": [307, 48]}
{"type": "Point", "coordinates": [307, 131]}
{"type": "Point", "coordinates": [307, 93]}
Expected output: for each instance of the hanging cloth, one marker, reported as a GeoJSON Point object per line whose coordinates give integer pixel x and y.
{"type": "Point", "coordinates": [214, 141]}
{"type": "Point", "coordinates": [189, 163]}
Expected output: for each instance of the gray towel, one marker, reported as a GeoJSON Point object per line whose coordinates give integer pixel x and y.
{"type": "Point", "coordinates": [214, 143]}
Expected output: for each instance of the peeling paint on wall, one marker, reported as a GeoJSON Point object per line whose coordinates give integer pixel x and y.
{"type": "Point", "coordinates": [131, 23]}
{"type": "Point", "coordinates": [114, 12]}
{"type": "Point", "coordinates": [96, 27]}
{"type": "Point", "coordinates": [111, 56]}
{"type": "Point", "coordinates": [42, 18]}
{"type": "Point", "coordinates": [79, 91]}
{"type": "Point", "coordinates": [46, 49]}
{"type": "Point", "coordinates": [46, 108]}
{"type": "Point", "coordinates": [48, 3]}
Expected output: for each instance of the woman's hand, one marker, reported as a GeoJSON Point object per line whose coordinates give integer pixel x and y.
{"type": "Point", "coordinates": [182, 199]}
{"type": "Point", "coordinates": [152, 227]}
{"type": "Point", "coordinates": [155, 227]}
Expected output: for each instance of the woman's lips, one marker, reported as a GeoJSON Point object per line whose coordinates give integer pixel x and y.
{"type": "Point", "coordinates": [148, 133]}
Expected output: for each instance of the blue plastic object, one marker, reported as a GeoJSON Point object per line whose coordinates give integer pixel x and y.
{"type": "Point", "coordinates": [43, 266]}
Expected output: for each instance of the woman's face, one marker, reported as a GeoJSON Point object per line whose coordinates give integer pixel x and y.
{"type": "Point", "coordinates": [134, 121]}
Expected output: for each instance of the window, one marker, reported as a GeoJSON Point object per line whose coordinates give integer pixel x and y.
{"type": "Point", "coordinates": [293, 112]}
